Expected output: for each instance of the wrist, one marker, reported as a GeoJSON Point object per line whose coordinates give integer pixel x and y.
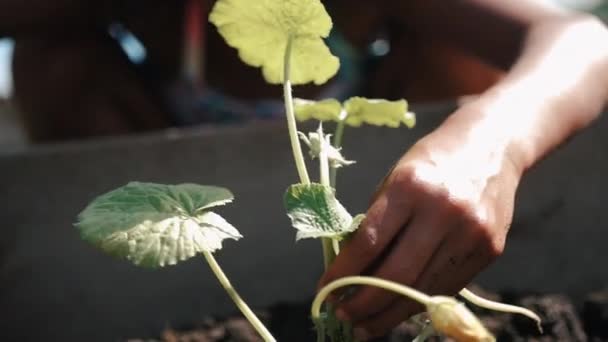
{"type": "Point", "coordinates": [552, 92]}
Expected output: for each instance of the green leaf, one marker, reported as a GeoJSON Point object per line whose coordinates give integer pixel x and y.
{"type": "Point", "coordinates": [315, 212]}
{"type": "Point", "coordinates": [156, 225]}
{"type": "Point", "coordinates": [260, 30]}
{"type": "Point", "coordinates": [326, 110]}
{"type": "Point", "coordinates": [378, 112]}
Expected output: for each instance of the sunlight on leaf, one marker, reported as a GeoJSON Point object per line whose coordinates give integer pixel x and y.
{"type": "Point", "coordinates": [326, 110]}
{"type": "Point", "coordinates": [260, 30]}
{"type": "Point", "coordinates": [378, 112]}
{"type": "Point", "coordinates": [156, 225]}
{"type": "Point", "coordinates": [315, 212]}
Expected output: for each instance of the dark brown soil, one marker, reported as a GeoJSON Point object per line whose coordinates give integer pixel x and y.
{"type": "Point", "coordinates": [561, 322]}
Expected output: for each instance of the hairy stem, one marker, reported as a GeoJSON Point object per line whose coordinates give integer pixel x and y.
{"type": "Point", "coordinates": [240, 303]}
{"type": "Point", "coordinates": [328, 252]}
{"type": "Point", "coordinates": [336, 246]}
{"type": "Point", "coordinates": [338, 135]}
{"type": "Point", "coordinates": [323, 162]}
{"type": "Point", "coordinates": [491, 305]}
{"type": "Point", "coordinates": [291, 119]}
{"type": "Point", "coordinates": [370, 281]}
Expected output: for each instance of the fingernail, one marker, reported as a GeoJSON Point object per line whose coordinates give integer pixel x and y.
{"type": "Point", "coordinates": [342, 315]}
{"type": "Point", "coordinates": [361, 334]}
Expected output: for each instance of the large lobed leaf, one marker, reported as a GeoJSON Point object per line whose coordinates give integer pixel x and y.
{"type": "Point", "coordinates": [156, 225]}
{"type": "Point", "coordinates": [316, 213]}
{"type": "Point", "coordinates": [260, 30]}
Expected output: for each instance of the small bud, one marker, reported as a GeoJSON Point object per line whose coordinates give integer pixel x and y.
{"type": "Point", "coordinates": [318, 141]}
{"type": "Point", "coordinates": [453, 319]}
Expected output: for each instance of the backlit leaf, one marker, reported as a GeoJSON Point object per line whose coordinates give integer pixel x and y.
{"type": "Point", "coordinates": [315, 212]}
{"type": "Point", "coordinates": [260, 30]}
{"type": "Point", "coordinates": [378, 112]}
{"type": "Point", "coordinates": [156, 225]}
{"type": "Point", "coordinates": [326, 110]}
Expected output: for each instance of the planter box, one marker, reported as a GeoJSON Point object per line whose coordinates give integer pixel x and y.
{"type": "Point", "coordinates": [55, 287]}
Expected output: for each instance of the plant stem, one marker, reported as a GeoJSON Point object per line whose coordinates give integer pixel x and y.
{"type": "Point", "coordinates": [291, 119]}
{"type": "Point", "coordinates": [491, 305]}
{"type": "Point", "coordinates": [323, 162]}
{"type": "Point", "coordinates": [362, 280]}
{"type": "Point", "coordinates": [336, 246]}
{"type": "Point", "coordinates": [328, 252]}
{"type": "Point", "coordinates": [240, 303]}
{"type": "Point", "coordinates": [339, 133]}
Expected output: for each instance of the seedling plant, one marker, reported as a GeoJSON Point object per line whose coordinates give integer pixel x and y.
{"type": "Point", "coordinates": [156, 225]}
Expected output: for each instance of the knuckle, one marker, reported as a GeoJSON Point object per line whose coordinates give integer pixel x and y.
{"type": "Point", "coordinates": [481, 226]}
{"type": "Point", "coordinates": [475, 215]}
{"type": "Point", "coordinates": [481, 229]}
{"type": "Point", "coordinates": [489, 242]}
{"type": "Point", "coordinates": [466, 209]}
{"type": "Point", "coordinates": [403, 177]}
{"type": "Point", "coordinates": [495, 248]}
{"type": "Point", "coordinates": [364, 244]}
{"type": "Point", "coordinates": [421, 179]}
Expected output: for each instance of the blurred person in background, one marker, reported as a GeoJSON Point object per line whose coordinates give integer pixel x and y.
{"type": "Point", "coordinates": [74, 80]}
{"type": "Point", "coordinates": [443, 212]}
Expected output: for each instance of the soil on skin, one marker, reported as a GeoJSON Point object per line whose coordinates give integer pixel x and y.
{"type": "Point", "coordinates": [561, 322]}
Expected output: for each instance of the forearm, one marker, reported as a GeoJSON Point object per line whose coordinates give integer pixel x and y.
{"type": "Point", "coordinates": [558, 85]}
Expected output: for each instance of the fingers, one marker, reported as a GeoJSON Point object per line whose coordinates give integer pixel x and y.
{"type": "Point", "coordinates": [387, 214]}
{"type": "Point", "coordinates": [420, 230]}
{"type": "Point", "coordinates": [404, 264]}
{"type": "Point", "coordinates": [453, 268]}
{"type": "Point", "coordinates": [463, 253]}
{"type": "Point", "coordinates": [378, 325]}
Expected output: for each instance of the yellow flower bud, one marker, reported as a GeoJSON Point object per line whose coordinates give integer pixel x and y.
{"type": "Point", "coordinates": [453, 319]}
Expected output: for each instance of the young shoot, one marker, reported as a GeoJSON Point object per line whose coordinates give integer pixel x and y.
{"type": "Point", "coordinates": [319, 143]}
